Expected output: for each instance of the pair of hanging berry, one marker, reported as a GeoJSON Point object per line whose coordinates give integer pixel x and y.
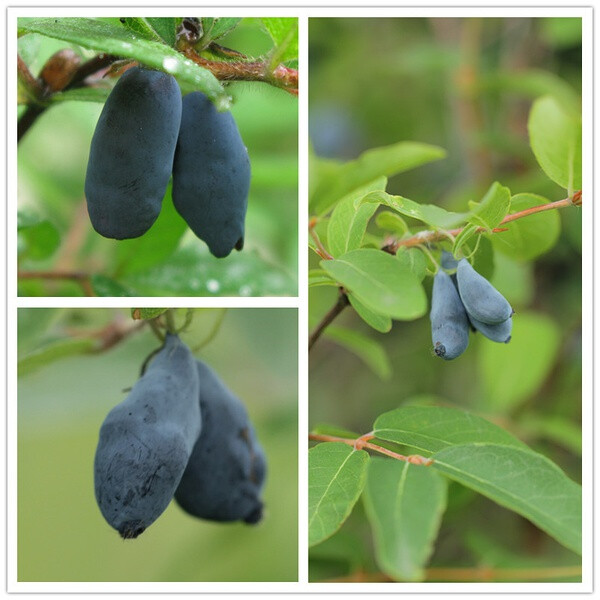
{"type": "Point", "coordinates": [146, 132]}
{"type": "Point", "coordinates": [180, 433]}
{"type": "Point", "coordinates": [462, 301]}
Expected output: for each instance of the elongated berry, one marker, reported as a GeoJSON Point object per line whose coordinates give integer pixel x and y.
{"type": "Point", "coordinates": [131, 155]}
{"type": "Point", "coordinates": [500, 332]}
{"type": "Point", "coordinates": [226, 472]}
{"type": "Point", "coordinates": [449, 322]}
{"type": "Point", "coordinates": [146, 441]}
{"type": "Point", "coordinates": [211, 175]}
{"type": "Point", "coordinates": [481, 299]}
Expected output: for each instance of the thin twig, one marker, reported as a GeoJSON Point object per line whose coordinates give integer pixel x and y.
{"type": "Point", "coordinates": [471, 574]}
{"type": "Point", "coordinates": [423, 237]}
{"type": "Point", "coordinates": [109, 335]}
{"type": "Point", "coordinates": [359, 444]}
{"type": "Point", "coordinates": [83, 279]}
{"type": "Point", "coordinates": [170, 320]}
{"type": "Point", "coordinates": [337, 308]}
{"type": "Point", "coordinates": [435, 236]}
{"type": "Point", "coordinates": [33, 111]}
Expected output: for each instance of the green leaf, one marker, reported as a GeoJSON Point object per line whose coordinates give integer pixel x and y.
{"type": "Point", "coordinates": [528, 358]}
{"type": "Point", "coordinates": [380, 282]}
{"type": "Point", "coordinates": [555, 138]}
{"type": "Point", "coordinates": [367, 349]}
{"type": "Point", "coordinates": [483, 259]}
{"type": "Point", "coordinates": [284, 33]}
{"type": "Point", "coordinates": [534, 83]}
{"type": "Point", "coordinates": [52, 352]}
{"type": "Point", "coordinates": [347, 226]}
{"type": "Point", "coordinates": [428, 213]}
{"type": "Point", "coordinates": [318, 277]}
{"type": "Point", "coordinates": [215, 28]}
{"type": "Point", "coordinates": [192, 271]}
{"type": "Point", "coordinates": [530, 236]}
{"type": "Point", "coordinates": [106, 287]}
{"type": "Point", "coordinates": [156, 246]}
{"type": "Point", "coordinates": [85, 94]}
{"type": "Point", "coordinates": [522, 481]}
{"type": "Point", "coordinates": [377, 321]}
{"type": "Point", "coordinates": [404, 505]}
{"type": "Point", "coordinates": [370, 165]}
{"type": "Point", "coordinates": [147, 313]}
{"type": "Point", "coordinates": [432, 428]}
{"type": "Point", "coordinates": [140, 27]}
{"type": "Point", "coordinates": [106, 37]}
{"type": "Point", "coordinates": [165, 27]}
{"type": "Point", "coordinates": [325, 429]}
{"type": "Point", "coordinates": [37, 238]}
{"type": "Point", "coordinates": [493, 208]}
{"type": "Point", "coordinates": [392, 222]}
{"type": "Point", "coordinates": [336, 477]}
{"type": "Point", "coordinates": [414, 260]}
{"type": "Point", "coordinates": [463, 237]}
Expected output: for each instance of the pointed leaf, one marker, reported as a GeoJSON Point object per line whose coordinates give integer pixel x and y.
{"type": "Point", "coordinates": [429, 429]}
{"type": "Point", "coordinates": [380, 282]}
{"type": "Point", "coordinates": [216, 27]}
{"type": "Point", "coordinates": [404, 505]}
{"type": "Point", "coordinates": [522, 481]}
{"type": "Point", "coordinates": [493, 208]}
{"type": "Point", "coordinates": [373, 163]}
{"type": "Point", "coordinates": [377, 321]}
{"type": "Point", "coordinates": [284, 33]}
{"type": "Point", "coordinates": [347, 226]}
{"type": "Point", "coordinates": [428, 213]}
{"type": "Point", "coordinates": [52, 352]}
{"type": "Point", "coordinates": [336, 477]}
{"type": "Point", "coordinates": [104, 36]}
{"type": "Point", "coordinates": [318, 277]}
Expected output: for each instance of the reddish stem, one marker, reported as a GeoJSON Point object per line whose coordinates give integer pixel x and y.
{"type": "Point", "coordinates": [359, 443]}
{"type": "Point", "coordinates": [282, 76]}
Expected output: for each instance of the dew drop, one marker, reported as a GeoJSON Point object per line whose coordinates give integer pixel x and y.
{"type": "Point", "coordinates": [169, 64]}
{"type": "Point", "coordinates": [213, 286]}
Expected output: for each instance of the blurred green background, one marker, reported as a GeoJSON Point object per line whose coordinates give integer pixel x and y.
{"type": "Point", "coordinates": [52, 160]}
{"type": "Point", "coordinates": [466, 85]}
{"type": "Point", "coordinates": [62, 535]}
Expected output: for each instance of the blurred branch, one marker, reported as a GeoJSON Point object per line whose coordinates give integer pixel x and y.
{"type": "Point", "coordinates": [110, 335]}
{"type": "Point", "coordinates": [423, 237]}
{"type": "Point", "coordinates": [362, 442]}
{"type": "Point", "coordinates": [472, 574]}
{"type": "Point", "coordinates": [75, 79]}
{"type": "Point", "coordinates": [83, 279]}
{"type": "Point", "coordinates": [337, 308]}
